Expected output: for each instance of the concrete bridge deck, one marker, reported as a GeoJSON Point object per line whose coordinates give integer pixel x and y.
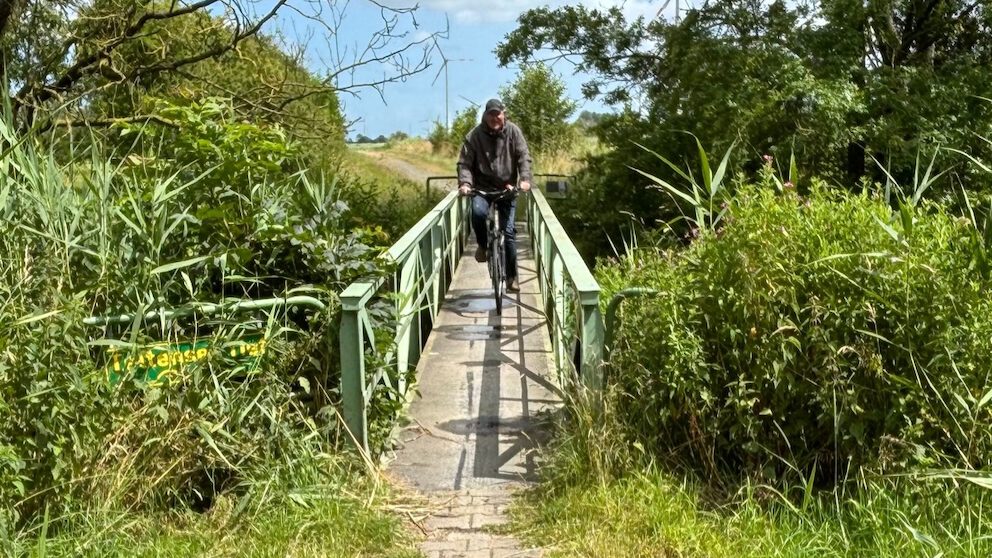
{"type": "Point", "coordinates": [484, 382]}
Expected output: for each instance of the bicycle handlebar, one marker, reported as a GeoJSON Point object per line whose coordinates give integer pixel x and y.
{"type": "Point", "coordinates": [495, 195]}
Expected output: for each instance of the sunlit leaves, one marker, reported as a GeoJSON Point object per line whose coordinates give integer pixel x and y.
{"type": "Point", "coordinates": [537, 101]}
{"type": "Point", "coordinates": [821, 330]}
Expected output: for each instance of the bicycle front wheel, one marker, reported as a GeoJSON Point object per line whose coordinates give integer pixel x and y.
{"type": "Point", "coordinates": [498, 271]}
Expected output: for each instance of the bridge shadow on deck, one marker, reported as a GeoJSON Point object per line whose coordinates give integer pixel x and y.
{"type": "Point", "coordinates": [484, 387]}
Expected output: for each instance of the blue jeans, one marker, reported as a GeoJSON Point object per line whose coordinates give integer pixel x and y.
{"type": "Point", "coordinates": [507, 210]}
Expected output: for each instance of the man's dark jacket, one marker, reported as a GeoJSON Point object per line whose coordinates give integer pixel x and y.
{"type": "Point", "coordinates": [490, 160]}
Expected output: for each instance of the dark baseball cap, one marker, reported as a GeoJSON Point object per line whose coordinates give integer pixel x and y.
{"type": "Point", "coordinates": [494, 105]}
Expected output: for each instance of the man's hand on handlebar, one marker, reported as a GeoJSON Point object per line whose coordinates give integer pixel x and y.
{"type": "Point", "coordinates": [524, 186]}
{"type": "Point", "coordinates": [508, 189]}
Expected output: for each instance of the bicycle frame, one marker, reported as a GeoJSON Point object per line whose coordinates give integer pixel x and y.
{"type": "Point", "coordinates": [496, 243]}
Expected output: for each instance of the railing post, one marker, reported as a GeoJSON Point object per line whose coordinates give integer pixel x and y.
{"type": "Point", "coordinates": [406, 313]}
{"type": "Point", "coordinates": [592, 340]}
{"type": "Point", "coordinates": [436, 270]}
{"type": "Point", "coordinates": [559, 303]}
{"type": "Point", "coordinates": [418, 254]}
{"type": "Point", "coordinates": [352, 346]}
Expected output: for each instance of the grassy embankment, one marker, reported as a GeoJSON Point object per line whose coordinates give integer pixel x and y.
{"type": "Point", "coordinates": [414, 151]}
{"type": "Point", "coordinates": [418, 152]}
{"type": "Point", "coordinates": [350, 516]}
{"type": "Point", "coordinates": [392, 195]}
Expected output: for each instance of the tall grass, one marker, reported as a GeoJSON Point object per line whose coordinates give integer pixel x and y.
{"type": "Point", "coordinates": [813, 380]}
{"type": "Point", "coordinates": [212, 209]}
{"type": "Point", "coordinates": [605, 494]}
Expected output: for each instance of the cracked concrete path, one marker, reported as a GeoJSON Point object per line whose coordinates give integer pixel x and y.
{"type": "Point", "coordinates": [483, 381]}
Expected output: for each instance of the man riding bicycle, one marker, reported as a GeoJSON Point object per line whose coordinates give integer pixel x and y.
{"type": "Point", "coordinates": [493, 157]}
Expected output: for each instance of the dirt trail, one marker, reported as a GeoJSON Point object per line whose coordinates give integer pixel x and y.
{"type": "Point", "coordinates": [411, 171]}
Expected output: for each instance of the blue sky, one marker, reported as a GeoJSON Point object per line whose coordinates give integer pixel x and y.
{"type": "Point", "coordinates": [474, 29]}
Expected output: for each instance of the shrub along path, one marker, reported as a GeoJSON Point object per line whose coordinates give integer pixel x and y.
{"type": "Point", "coordinates": [483, 380]}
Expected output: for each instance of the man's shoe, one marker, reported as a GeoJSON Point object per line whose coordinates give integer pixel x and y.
{"type": "Point", "coordinates": [480, 254]}
{"type": "Point", "coordinates": [512, 286]}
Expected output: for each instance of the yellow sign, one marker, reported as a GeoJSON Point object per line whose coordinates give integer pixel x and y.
{"type": "Point", "coordinates": [158, 362]}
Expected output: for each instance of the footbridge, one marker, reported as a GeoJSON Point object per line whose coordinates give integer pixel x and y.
{"type": "Point", "coordinates": [476, 382]}
{"type": "Point", "coordinates": [424, 342]}
{"type": "Point", "coordinates": [448, 348]}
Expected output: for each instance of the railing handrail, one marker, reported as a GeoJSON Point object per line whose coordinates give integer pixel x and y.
{"type": "Point", "coordinates": [406, 243]}
{"type": "Point", "coordinates": [207, 308]}
{"type": "Point", "coordinates": [582, 277]}
{"type": "Point", "coordinates": [558, 261]}
{"type": "Point", "coordinates": [425, 257]}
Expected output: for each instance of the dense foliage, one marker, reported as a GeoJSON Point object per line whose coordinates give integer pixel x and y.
{"type": "Point", "coordinates": [536, 102]}
{"type": "Point", "coordinates": [167, 155]}
{"type": "Point", "coordinates": [200, 207]}
{"type": "Point", "coordinates": [839, 83]}
{"type": "Point", "coordinates": [815, 332]}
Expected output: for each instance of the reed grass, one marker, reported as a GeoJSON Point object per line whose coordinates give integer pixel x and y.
{"type": "Point", "coordinates": [229, 457]}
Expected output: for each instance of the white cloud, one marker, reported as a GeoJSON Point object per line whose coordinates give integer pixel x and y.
{"type": "Point", "coordinates": [475, 11]}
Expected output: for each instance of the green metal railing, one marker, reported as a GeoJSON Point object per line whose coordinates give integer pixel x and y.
{"type": "Point", "coordinates": [570, 296]}
{"type": "Point", "coordinates": [206, 309]}
{"type": "Point", "coordinates": [425, 259]}
{"type": "Point", "coordinates": [424, 262]}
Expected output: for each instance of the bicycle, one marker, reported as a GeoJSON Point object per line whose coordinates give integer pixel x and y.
{"type": "Point", "coordinates": [495, 243]}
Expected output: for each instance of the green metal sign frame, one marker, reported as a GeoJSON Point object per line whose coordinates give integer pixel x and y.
{"type": "Point", "coordinates": [156, 363]}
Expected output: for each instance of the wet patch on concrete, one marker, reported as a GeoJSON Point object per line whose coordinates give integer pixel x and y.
{"type": "Point", "coordinates": [487, 424]}
{"type": "Point", "coordinates": [475, 332]}
{"type": "Point", "coordinates": [478, 303]}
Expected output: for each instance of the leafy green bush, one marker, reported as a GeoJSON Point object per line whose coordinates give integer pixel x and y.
{"type": "Point", "coordinates": [813, 333]}
{"type": "Point", "coordinates": [231, 197]}
{"type": "Point", "coordinates": [202, 209]}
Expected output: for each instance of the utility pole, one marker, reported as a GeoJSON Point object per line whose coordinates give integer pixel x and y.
{"type": "Point", "coordinates": [678, 9]}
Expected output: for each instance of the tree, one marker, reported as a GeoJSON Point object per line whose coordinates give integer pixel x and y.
{"type": "Point", "coordinates": [837, 82]}
{"type": "Point", "coordinates": [817, 77]}
{"type": "Point", "coordinates": [450, 140]}
{"type": "Point", "coordinates": [588, 119]}
{"type": "Point", "coordinates": [537, 103]}
{"type": "Point", "coordinates": [61, 53]}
